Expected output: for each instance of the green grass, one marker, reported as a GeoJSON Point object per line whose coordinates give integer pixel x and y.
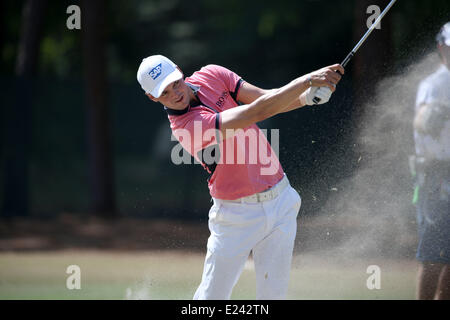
{"type": "Point", "coordinates": [175, 275]}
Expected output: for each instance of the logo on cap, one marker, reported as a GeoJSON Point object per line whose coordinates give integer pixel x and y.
{"type": "Point", "coordinates": [155, 72]}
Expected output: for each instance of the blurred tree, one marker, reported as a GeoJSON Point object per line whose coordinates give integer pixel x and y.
{"type": "Point", "coordinates": [2, 30]}
{"type": "Point", "coordinates": [375, 57]}
{"type": "Point", "coordinates": [266, 42]}
{"type": "Point", "coordinates": [101, 172]}
{"type": "Point", "coordinates": [18, 115]}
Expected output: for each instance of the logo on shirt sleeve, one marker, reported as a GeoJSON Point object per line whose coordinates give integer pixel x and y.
{"type": "Point", "coordinates": [155, 72]}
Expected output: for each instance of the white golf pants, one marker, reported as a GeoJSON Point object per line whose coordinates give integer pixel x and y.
{"type": "Point", "coordinates": [267, 229]}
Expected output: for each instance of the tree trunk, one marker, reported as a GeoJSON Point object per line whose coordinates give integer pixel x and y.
{"type": "Point", "coordinates": [371, 62]}
{"type": "Point", "coordinates": [17, 120]}
{"type": "Point", "coordinates": [98, 122]}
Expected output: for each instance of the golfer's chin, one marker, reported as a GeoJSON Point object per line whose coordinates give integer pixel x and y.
{"type": "Point", "coordinates": [181, 105]}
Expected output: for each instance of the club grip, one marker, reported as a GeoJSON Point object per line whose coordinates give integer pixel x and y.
{"type": "Point", "coordinates": [316, 100]}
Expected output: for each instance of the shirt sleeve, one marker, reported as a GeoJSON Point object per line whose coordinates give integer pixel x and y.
{"type": "Point", "coordinates": [423, 95]}
{"type": "Point", "coordinates": [197, 131]}
{"type": "Point", "coordinates": [231, 80]}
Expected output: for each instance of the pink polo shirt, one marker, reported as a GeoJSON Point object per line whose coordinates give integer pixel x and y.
{"type": "Point", "coordinates": [240, 166]}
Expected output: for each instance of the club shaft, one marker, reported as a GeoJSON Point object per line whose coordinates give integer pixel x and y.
{"type": "Point", "coordinates": [347, 59]}
{"type": "Point", "coordinates": [359, 44]}
{"type": "Point", "coordinates": [372, 27]}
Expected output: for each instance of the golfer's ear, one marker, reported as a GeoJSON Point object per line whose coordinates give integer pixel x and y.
{"type": "Point", "coordinates": [151, 97]}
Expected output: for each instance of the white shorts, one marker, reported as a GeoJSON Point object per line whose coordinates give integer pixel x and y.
{"type": "Point", "coordinates": [267, 229]}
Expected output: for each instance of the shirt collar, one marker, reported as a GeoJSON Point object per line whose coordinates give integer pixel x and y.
{"type": "Point", "coordinates": [193, 87]}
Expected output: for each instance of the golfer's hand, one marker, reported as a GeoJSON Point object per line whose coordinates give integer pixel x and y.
{"type": "Point", "coordinates": [327, 77]}
{"type": "Point", "coordinates": [323, 93]}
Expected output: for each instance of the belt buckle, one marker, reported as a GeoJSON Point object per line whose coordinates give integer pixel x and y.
{"type": "Point", "coordinates": [263, 196]}
{"type": "Point", "coordinates": [258, 197]}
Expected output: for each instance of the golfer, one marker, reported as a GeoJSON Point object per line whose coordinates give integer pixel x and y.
{"type": "Point", "coordinates": [432, 142]}
{"type": "Point", "coordinates": [213, 114]}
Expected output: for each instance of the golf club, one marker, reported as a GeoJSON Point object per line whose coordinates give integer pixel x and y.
{"type": "Point", "coordinates": [364, 38]}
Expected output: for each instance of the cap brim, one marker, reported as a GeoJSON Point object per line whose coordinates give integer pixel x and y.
{"type": "Point", "coordinates": [174, 76]}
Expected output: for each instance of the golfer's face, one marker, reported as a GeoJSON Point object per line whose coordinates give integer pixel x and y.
{"type": "Point", "coordinates": [175, 96]}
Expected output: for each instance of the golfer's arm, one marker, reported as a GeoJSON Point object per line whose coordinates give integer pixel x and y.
{"type": "Point", "coordinates": [296, 104]}
{"type": "Point", "coordinates": [422, 119]}
{"type": "Point", "coordinates": [261, 104]}
{"type": "Point", "coordinates": [249, 93]}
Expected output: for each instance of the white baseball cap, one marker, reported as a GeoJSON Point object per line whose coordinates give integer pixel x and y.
{"type": "Point", "coordinates": [443, 36]}
{"type": "Point", "coordinates": [155, 73]}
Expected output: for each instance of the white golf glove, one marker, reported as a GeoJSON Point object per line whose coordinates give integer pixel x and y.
{"type": "Point", "coordinates": [323, 93]}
